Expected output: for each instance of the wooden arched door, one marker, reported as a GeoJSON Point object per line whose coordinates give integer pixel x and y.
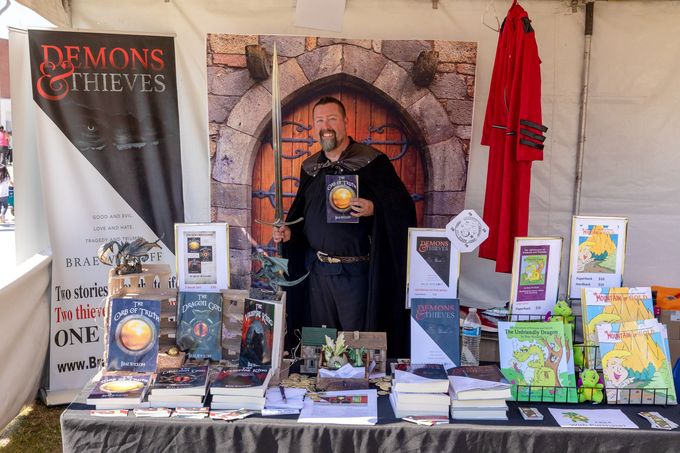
{"type": "Point", "coordinates": [370, 121]}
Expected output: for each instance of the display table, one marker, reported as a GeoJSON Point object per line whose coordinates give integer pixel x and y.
{"type": "Point", "coordinates": [82, 433]}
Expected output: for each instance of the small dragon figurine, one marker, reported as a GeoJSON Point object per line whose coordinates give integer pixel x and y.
{"type": "Point", "coordinates": [272, 271]}
{"type": "Point", "coordinates": [126, 257]}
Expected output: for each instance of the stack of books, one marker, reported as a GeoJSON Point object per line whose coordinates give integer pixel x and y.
{"type": "Point", "coordinates": [478, 393]}
{"type": "Point", "coordinates": [240, 388]}
{"type": "Point", "coordinates": [180, 387]}
{"type": "Point", "coordinates": [120, 390]}
{"type": "Point", "coordinates": [419, 389]}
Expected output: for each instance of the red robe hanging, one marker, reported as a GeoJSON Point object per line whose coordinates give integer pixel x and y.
{"type": "Point", "coordinates": [515, 135]}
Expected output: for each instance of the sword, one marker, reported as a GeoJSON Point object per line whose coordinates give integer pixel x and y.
{"type": "Point", "coordinates": [279, 220]}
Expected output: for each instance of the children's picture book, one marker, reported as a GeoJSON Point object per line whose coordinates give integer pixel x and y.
{"type": "Point", "coordinates": [636, 363]}
{"type": "Point", "coordinates": [340, 189]}
{"type": "Point", "coordinates": [435, 331]}
{"type": "Point", "coordinates": [611, 305]}
{"type": "Point", "coordinates": [132, 340]}
{"type": "Point", "coordinates": [199, 324]}
{"type": "Point", "coordinates": [262, 334]}
{"type": "Point", "coordinates": [536, 358]}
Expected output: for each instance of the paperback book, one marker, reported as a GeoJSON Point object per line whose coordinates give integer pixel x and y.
{"type": "Point", "coordinates": [636, 363]}
{"type": "Point", "coordinates": [478, 383]}
{"type": "Point", "coordinates": [262, 334]}
{"type": "Point", "coordinates": [181, 381]}
{"type": "Point", "coordinates": [610, 305]}
{"type": "Point", "coordinates": [233, 307]}
{"type": "Point", "coordinates": [435, 331]}
{"type": "Point", "coordinates": [340, 189]}
{"type": "Point", "coordinates": [120, 388]}
{"type": "Point", "coordinates": [420, 378]}
{"type": "Point", "coordinates": [536, 358]}
{"type": "Point", "coordinates": [241, 381]}
{"type": "Point", "coordinates": [134, 326]}
{"type": "Point", "coordinates": [199, 324]}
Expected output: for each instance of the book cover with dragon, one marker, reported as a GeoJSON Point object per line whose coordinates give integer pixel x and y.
{"type": "Point", "coordinates": [611, 305]}
{"type": "Point", "coordinates": [636, 363]}
{"type": "Point", "coordinates": [199, 324]}
{"type": "Point", "coordinates": [536, 358]}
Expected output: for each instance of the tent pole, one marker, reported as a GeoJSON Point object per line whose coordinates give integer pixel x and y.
{"type": "Point", "coordinates": [590, 6]}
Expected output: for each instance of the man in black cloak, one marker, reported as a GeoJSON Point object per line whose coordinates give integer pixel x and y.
{"type": "Point", "coordinates": [357, 270]}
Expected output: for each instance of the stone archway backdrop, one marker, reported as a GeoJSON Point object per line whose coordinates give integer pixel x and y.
{"type": "Point", "coordinates": [439, 113]}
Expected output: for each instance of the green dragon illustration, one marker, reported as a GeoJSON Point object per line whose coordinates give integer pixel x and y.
{"type": "Point", "coordinates": [576, 417]}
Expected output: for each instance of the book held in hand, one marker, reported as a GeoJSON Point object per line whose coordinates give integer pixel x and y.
{"type": "Point", "coordinates": [340, 189]}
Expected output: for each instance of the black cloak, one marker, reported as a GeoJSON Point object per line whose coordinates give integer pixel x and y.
{"type": "Point", "coordinates": [394, 213]}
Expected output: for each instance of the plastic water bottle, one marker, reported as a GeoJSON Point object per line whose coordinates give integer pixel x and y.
{"type": "Point", "coordinates": [472, 333]}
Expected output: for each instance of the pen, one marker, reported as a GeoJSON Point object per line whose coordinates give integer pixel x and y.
{"type": "Point", "coordinates": [283, 394]}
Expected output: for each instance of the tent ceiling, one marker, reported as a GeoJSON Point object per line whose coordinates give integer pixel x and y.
{"type": "Point", "coordinates": [56, 11]}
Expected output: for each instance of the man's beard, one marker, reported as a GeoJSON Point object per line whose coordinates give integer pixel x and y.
{"type": "Point", "coordinates": [329, 143]}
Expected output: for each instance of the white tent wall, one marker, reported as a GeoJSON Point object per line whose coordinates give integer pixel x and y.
{"type": "Point", "coordinates": [632, 156]}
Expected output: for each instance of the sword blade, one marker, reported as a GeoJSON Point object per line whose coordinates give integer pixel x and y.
{"type": "Point", "coordinates": [276, 139]}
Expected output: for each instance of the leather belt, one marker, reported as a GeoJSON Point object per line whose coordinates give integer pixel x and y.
{"type": "Point", "coordinates": [326, 258]}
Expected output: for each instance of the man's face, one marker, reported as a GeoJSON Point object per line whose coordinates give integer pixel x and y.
{"type": "Point", "coordinates": [330, 126]}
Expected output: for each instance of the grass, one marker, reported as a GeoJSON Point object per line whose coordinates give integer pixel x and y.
{"type": "Point", "coordinates": [36, 429]}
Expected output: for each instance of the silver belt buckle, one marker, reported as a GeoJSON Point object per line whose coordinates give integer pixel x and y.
{"type": "Point", "coordinates": [324, 258]}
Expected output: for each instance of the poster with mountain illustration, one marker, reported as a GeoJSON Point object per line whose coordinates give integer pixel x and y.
{"type": "Point", "coordinates": [597, 253]}
{"type": "Point", "coordinates": [610, 305]}
{"type": "Point", "coordinates": [635, 363]}
{"type": "Point", "coordinates": [433, 265]}
{"type": "Point", "coordinates": [536, 358]}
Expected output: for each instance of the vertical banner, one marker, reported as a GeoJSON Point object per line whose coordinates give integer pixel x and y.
{"type": "Point", "coordinates": [109, 153]}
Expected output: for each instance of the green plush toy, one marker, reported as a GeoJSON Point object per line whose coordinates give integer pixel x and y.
{"type": "Point", "coordinates": [562, 312]}
{"type": "Point", "coordinates": [590, 387]}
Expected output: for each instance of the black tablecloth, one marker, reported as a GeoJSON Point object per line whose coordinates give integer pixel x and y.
{"type": "Point", "coordinates": [82, 433]}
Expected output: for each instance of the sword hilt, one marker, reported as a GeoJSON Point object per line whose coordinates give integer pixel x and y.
{"type": "Point", "coordinates": [278, 223]}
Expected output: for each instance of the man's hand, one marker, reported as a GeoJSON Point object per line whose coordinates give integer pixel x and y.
{"type": "Point", "coordinates": [361, 207]}
{"type": "Point", "coordinates": [281, 233]}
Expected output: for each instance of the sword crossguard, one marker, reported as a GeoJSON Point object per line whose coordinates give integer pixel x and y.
{"type": "Point", "coordinates": [279, 222]}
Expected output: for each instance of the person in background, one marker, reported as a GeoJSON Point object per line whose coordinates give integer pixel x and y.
{"type": "Point", "coordinates": [5, 183]}
{"type": "Point", "coordinates": [10, 154]}
{"type": "Point", "coordinates": [4, 145]}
